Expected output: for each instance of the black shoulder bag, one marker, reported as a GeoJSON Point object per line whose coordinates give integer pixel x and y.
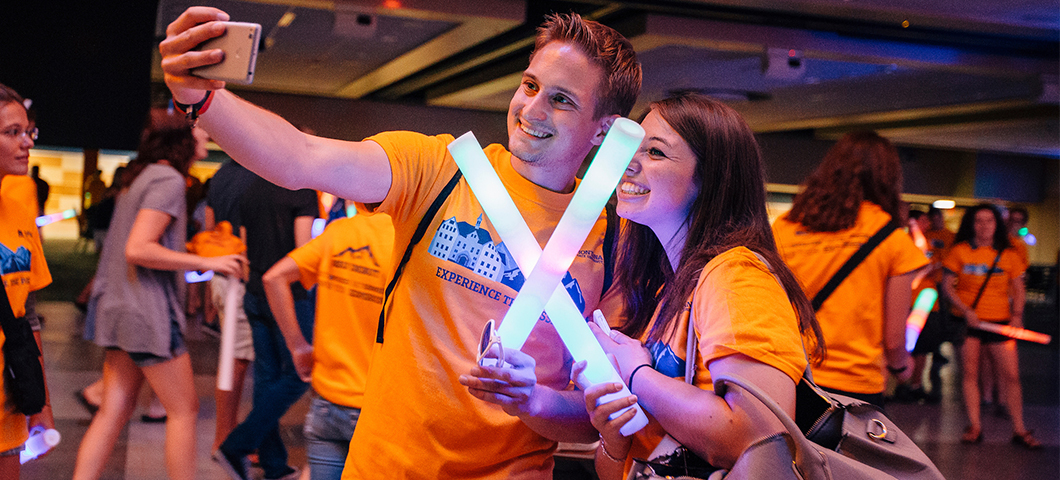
{"type": "Point", "coordinates": [23, 375]}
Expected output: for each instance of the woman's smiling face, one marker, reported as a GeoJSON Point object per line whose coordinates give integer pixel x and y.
{"type": "Point", "coordinates": [659, 185]}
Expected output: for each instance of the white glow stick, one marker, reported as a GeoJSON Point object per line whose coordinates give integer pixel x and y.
{"type": "Point", "coordinates": [39, 442]}
{"type": "Point", "coordinates": [226, 361]}
{"type": "Point", "coordinates": [574, 226]}
{"type": "Point", "coordinates": [1014, 332]}
{"type": "Point", "coordinates": [191, 276]}
{"type": "Point", "coordinates": [624, 138]}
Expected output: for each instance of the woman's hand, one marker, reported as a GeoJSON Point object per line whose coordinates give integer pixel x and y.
{"type": "Point", "coordinates": [628, 353]}
{"type": "Point", "coordinates": [230, 266]}
{"type": "Point", "coordinates": [616, 444]}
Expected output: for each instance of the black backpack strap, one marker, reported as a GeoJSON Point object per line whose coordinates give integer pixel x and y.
{"type": "Point", "coordinates": [609, 246]}
{"type": "Point", "coordinates": [428, 216]}
{"type": "Point", "coordinates": [982, 288]}
{"type": "Point", "coordinates": [853, 262]}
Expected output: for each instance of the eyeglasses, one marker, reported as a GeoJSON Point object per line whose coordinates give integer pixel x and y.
{"type": "Point", "coordinates": [16, 133]}
{"type": "Point", "coordinates": [488, 340]}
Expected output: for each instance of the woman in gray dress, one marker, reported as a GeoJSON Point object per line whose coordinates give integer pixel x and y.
{"type": "Point", "coordinates": [137, 301]}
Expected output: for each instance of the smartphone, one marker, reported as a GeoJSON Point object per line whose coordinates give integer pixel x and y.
{"type": "Point", "coordinates": [240, 44]}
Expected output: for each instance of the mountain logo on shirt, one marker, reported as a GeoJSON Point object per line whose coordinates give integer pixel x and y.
{"type": "Point", "coordinates": [361, 253]}
{"type": "Point", "coordinates": [472, 247]}
{"type": "Point", "coordinates": [13, 262]}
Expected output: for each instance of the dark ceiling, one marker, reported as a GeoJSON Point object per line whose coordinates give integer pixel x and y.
{"type": "Point", "coordinates": [962, 74]}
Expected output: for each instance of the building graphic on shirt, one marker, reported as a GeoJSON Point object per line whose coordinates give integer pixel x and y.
{"type": "Point", "coordinates": [472, 247]}
{"type": "Point", "coordinates": [16, 261]}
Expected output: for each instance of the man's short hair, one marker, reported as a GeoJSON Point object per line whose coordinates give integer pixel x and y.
{"type": "Point", "coordinates": [606, 48]}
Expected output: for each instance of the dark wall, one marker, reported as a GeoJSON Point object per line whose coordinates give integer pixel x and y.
{"type": "Point", "coordinates": [86, 65]}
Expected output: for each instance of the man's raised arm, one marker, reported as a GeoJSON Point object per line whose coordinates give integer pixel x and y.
{"type": "Point", "coordinates": [261, 140]}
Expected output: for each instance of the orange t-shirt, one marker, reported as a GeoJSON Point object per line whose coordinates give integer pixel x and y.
{"type": "Point", "coordinates": [351, 264]}
{"type": "Point", "coordinates": [852, 317]}
{"type": "Point", "coordinates": [739, 308]}
{"type": "Point", "coordinates": [938, 242]}
{"type": "Point", "coordinates": [23, 270]}
{"type": "Point", "coordinates": [970, 266]}
{"type": "Point", "coordinates": [417, 421]}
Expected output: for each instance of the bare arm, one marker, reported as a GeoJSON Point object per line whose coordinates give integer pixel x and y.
{"type": "Point", "coordinates": [142, 248]}
{"type": "Point", "coordinates": [277, 281]}
{"type": "Point", "coordinates": [949, 281]}
{"type": "Point", "coordinates": [896, 305]}
{"type": "Point", "coordinates": [1018, 295]}
{"type": "Point", "coordinates": [210, 219]}
{"type": "Point", "coordinates": [261, 140]}
{"type": "Point", "coordinates": [717, 428]}
{"type": "Point", "coordinates": [303, 231]}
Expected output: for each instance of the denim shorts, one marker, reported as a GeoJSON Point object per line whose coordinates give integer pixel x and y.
{"type": "Point", "coordinates": [177, 347]}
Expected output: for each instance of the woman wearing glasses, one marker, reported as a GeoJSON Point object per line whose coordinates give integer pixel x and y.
{"type": "Point", "coordinates": [696, 247]}
{"type": "Point", "coordinates": [22, 264]}
{"type": "Point", "coordinates": [136, 310]}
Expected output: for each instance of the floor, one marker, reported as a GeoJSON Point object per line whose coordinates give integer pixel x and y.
{"type": "Point", "coordinates": [73, 363]}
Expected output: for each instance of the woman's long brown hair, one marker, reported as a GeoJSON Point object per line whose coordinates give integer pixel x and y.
{"type": "Point", "coordinates": [730, 211]}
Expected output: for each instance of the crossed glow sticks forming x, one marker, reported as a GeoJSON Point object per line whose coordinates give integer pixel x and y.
{"type": "Point", "coordinates": [542, 290]}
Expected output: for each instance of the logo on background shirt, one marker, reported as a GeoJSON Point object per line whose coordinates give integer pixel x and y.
{"type": "Point", "coordinates": [472, 247]}
{"type": "Point", "coordinates": [979, 269]}
{"type": "Point", "coordinates": [13, 262]}
{"type": "Point", "coordinates": [666, 361]}
{"type": "Point", "coordinates": [363, 253]}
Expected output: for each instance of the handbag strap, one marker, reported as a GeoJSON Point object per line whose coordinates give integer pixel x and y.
{"type": "Point", "coordinates": [852, 263]}
{"type": "Point", "coordinates": [7, 313]}
{"type": "Point", "coordinates": [982, 288]}
{"type": "Point", "coordinates": [428, 216]}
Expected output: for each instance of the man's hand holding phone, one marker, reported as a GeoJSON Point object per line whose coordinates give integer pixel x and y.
{"type": "Point", "coordinates": [194, 26]}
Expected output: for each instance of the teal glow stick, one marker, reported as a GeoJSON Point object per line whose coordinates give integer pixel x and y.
{"type": "Point", "coordinates": [918, 317]}
{"type": "Point", "coordinates": [618, 148]}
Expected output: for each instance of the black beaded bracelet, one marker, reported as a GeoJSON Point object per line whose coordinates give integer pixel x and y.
{"type": "Point", "coordinates": [635, 370]}
{"type": "Point", "coordinates": [193, 111]}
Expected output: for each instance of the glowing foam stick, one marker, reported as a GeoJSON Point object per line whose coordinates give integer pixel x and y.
{"type": "Point", "coordinates": [1014, 332]}
{"type": "Point", "coordinates": [39, 442]}
{"type": "Point", "coordinates": [55, 217]}
{"type": "Point", "coordinates": [191, 276]}
{"type": "Point", "coordinates": [519, 240]}
{"type": "Point", "coordinates": [227, 360]}
{"type": "Point", "coordinates": [918, 317]}
{"type": "Point", "coordinates": [574, 226]}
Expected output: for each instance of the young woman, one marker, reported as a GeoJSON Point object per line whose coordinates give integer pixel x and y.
{"type": "Point", "coordinates": [23, 269]}
{"type": "Point", "coordinates": [982, 244]}
{"type": "Point", "coordinates": [697, 247]}
{"type": "Point", "coordinates": [137, 302]}
{"type": "Point", "coordinates": [851, 195]}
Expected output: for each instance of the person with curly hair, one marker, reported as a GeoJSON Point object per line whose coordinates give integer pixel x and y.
{"type": "Point", "coordinates": [851, 195]}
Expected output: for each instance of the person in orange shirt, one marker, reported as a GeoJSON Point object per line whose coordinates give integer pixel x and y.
{"type": "Point", "coordinates": [696, 247]}
{"type": "Point", "coordinates": [935, 330]}
{"type": "Point", "coordinates": [983, 278]}
{"type": "Point", "coordinates": [350, 264]}
{"type": "Point", "coordinates": [23, 268]}
{"type": "Point", "coordinates": [851, 196]}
